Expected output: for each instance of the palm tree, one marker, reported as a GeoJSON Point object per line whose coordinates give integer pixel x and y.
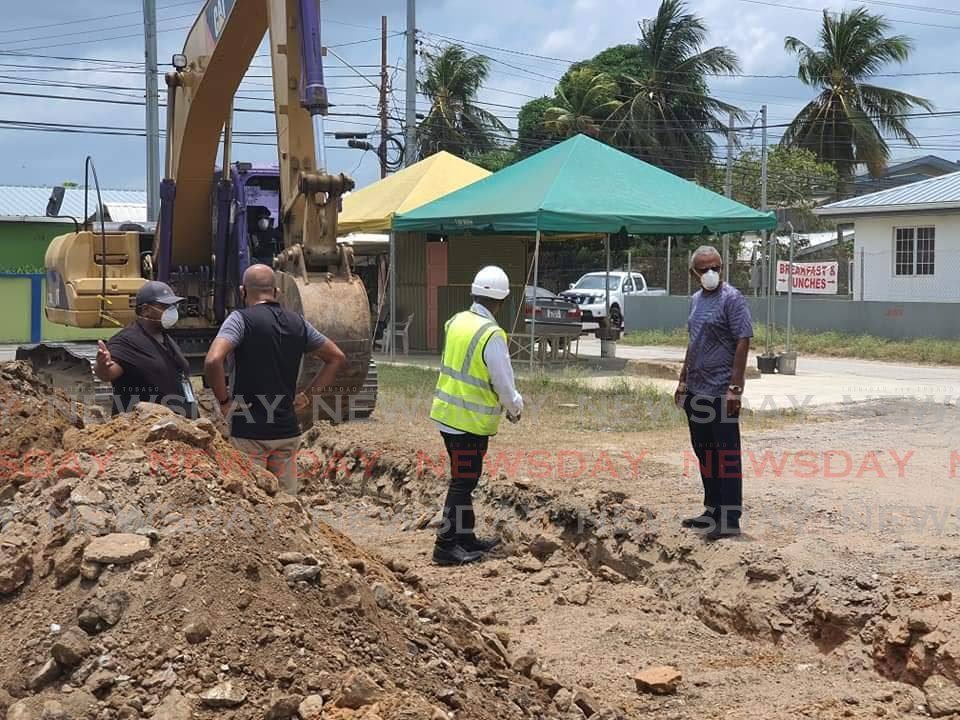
{"type": "Point", "coordinates": [451, 79]}
{"type": "Point", "coordinates": [668, 111]}
{"type": "Point", "coordinates": [585, 100]}
{"type": "Point", "coordinates": [845, 124]}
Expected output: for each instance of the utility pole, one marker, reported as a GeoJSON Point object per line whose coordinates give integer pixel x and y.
{"type": "Point", "coordinates": [728, 191]}
{"type": "Point", "coordinates": [153, 109]}
{"type": "Point", "coordinates": [382, 152]}
{"type": "Point", "coordinates": [410, 144]}
{"type": "Point", "coordinates": [771, 237]}
{"type": "Point", "coordinates": [763, 161]}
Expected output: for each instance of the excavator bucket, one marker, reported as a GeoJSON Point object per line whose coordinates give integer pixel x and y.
{"type": "Point", "coordinates": [338, 307]}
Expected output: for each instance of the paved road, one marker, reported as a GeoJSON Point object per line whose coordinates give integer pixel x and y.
{"type": "Point", "coordinates": [820, 380]}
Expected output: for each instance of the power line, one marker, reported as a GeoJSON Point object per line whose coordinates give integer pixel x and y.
{"type": "Point", "coordinates": [93, 19]}
{"type": "Point", "coordinates": [940, 26]}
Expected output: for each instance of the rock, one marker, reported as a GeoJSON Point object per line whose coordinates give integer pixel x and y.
{"type": "Point", "coordinates": [67, 560]}
{"type": "Point", "coordinates": [71, 648]}
{"type": "Point", "coordinates": [765, 570]}
{"type": "Point", "coordinates": [358, 690]}
{"type": "Point", "coordinates": [224, 695]}
{"type": "Point", "coordinates": [450, 698]}
{"type": "Point", "coordinates": [382, 595]}
{"type": "Point", "coordinates": [298, 573]}
{"type": "Point", "coordinates": [923, 621]}
{"type": "Point", "coordinates": [529, 565]}
{"type": "Point", "coordinates": [90, 570]}
{"type": "Point", "coordinates": [583, 700]}
{"type": "Point", "coordinates": [15, 566]}
{"type": "Point", "coordinates": [943, 696]}
{"type": "Point", "coordinates": [196, 632]}
{"type": "Point", "coordinates": [525, 664]}
{"type": "Point", "coordinates": [93, 521]}
{"type": "Point", "coordinates": [45, 675]}
{"type": "Point", "coordinates": [61, 491]}
{"type": "Point", "coordinates": [117, 549]}
{"type": "Point", "coordinates": [21, 710]}
{"type": "Point", "coordinates": [549, 683]}
{"type": "Point", "coordinates": [578, 594]}
{"type": "Point", "coordinates": [53, 710]}
{"type": "Point", "coordinates": [611, 575]}
{"type": "Point", "coordinates": [542, 547]}
{"type": "Point", "coordinates": [178, 581]}
{"type": "Point", "coordinates": [661, 680]}
{"type": "Point", "coordinates": [563, 699]}
{"type": "Point", "coordinates": [174, 707]}
{"type": "Point", "coordinates": [284, 707]}
{"type": "Point", "coordinates": [398, 566]}
{"type": "Point", "coordinates": [100, 680]}
{"type": "Point", "coordinates": [311, 708]}
{"type": "Point", "coordinates": [358, 564]}
{"type": "Point", "coordinates": [867, 582]}
{"type": "Point", "coordinates": [542, 578]}
{"type": "Point", "coordinates": [291, 558]}
{"type": "Point", "coordinates": [87, 495]}
{"type": "Point", "coordinates": [177, 429]}
{"type": "Point", "coordinates": [98, 614]}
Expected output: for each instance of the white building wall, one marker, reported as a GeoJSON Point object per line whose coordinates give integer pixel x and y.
{"type": "Point", "coordinates": [874, 259]}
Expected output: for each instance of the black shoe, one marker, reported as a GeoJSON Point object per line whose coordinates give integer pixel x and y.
{"type": "Point", "coordinates": [701, 522]}
{"type": "Point", "coordinates": [454, 555]}
{"type": "Point", "coordinates": [476, 544]}
{"type": "Point", "coordinates": [719, 533]}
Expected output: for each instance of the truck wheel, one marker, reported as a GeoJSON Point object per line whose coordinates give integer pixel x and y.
{"type": "Point", "coordinates": [616, 317]}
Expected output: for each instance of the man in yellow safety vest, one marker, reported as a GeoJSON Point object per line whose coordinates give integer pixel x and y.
{"type": "Point", "coordinates": [475, 386]}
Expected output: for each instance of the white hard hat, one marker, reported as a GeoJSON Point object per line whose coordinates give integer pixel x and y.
{"type": "Point", "coordinates": [491, 282]}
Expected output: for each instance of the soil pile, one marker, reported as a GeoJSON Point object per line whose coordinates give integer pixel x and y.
{"type": "Point", "coordinates": [147, 570]}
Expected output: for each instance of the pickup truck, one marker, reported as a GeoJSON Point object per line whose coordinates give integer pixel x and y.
{"type": "Point", "coordinates": [589, 294]}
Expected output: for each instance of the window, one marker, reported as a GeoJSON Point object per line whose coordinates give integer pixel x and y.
{"type": "Point", "coordinates": [628, 285]}
{"type": "Point", "coordinates": [914, 251]}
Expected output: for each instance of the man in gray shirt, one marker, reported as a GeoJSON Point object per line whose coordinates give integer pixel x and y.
{"type": "Point", "coordinates": [711, 385]}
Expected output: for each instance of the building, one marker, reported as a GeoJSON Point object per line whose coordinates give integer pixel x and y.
{"type": "Point", "coordinates": [907, 241]}
{"type": "Point", "coordinates": [905, 173]}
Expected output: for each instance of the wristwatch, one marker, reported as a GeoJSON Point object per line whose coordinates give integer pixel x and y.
{"type": "Point", "coordinates": [736, 389]}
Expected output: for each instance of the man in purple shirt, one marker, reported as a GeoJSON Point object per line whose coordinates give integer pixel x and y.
{"type": "Point", "coordinates": [711, 385]}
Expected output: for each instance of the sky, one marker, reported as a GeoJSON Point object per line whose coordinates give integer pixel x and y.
{"type": "Point", "coordinates": [530, 43]}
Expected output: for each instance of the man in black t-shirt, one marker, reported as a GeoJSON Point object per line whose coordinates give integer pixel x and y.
{"type": "Point", "coordinates": [142, 361]}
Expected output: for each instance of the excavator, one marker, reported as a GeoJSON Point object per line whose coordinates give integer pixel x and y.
{"type": "Point", "coordinates": [93, 274]}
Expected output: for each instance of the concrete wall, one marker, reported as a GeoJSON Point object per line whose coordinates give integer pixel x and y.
{"type": "Point", "coordinates": [882, 319]}
{"type": "Point", "coordinates": [874, 246]}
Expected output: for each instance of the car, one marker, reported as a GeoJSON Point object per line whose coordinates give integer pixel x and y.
{"type": "Point", "coordinates": [554, 314]}
{"type": "Point", "coordinates": [589, 292]}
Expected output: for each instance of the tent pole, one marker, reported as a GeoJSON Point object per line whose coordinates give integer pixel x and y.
{"type": "Point", "coordinates": [536, 281]}
{"type": "Point", "coordinates": [726, 258]}
{"type": "Point", "coordinates": [669, 253]}
{"type": "Point", "coordinates": [606, 244]}
{"type": "Point", "coordinates": [393, 293]}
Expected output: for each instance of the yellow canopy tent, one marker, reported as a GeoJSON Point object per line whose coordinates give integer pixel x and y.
{"type": "Point", "coordinates": [372, 208]}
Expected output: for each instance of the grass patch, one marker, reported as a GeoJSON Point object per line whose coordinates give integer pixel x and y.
{"type": "Point", "coordinates": [562, 402]}
{"type": "Point", "coordinates": [831, 344]}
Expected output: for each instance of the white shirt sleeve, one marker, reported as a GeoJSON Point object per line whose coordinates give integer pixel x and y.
{"type": "Point", "coordinates": [497, 357]}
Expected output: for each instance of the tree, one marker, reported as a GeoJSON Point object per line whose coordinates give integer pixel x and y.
{"type": "Point", "coordinates": [796, 180]}
{"type": "Point", "coordinates": [532, 136]}
{"type": "Point", "coordinates": [585, 101]}
{"type": "Point", "coordinates": [452, 79]}
{"type": "Point", "coordinates": [845, 124]}
{"type": "Point", "coordinates": [494, 160]}
{"type": "Point", "coordinates": [668, 111]}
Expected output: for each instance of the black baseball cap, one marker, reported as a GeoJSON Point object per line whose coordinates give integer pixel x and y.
{"type": "Point", "coordinates": [156, 293]}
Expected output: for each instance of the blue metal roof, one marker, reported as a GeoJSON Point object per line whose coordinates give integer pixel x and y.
{"type": "Point", "coordinates": [941, 192]}
{"type": "Point", "coordinates": [27, 201]}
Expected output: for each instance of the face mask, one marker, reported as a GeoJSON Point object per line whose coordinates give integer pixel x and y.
{"type": "Point", "coordinates": [710, 280]}
{"type": "Point", "coordinates": [169, 317]}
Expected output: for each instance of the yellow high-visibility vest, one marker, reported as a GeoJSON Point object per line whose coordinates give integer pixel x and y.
{"type": "Point", "coordinates": [464, 398]}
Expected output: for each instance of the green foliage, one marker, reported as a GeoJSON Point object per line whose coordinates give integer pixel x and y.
{"type": "Point", "coordinates": [451, 79]}
{"type": "Point", "coordinates": [70, 184]}
{"type": "Point", "coordinates": [532, 135]}
{"type": "Point", "coordinates": [585, 101]}
{"type": "Point", "coordinates": [845, 124]}
{"type": "Point", "coordinates": [494, 160]}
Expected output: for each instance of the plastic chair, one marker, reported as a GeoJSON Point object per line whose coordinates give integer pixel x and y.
{"type": "Point", "coordinates": [402, 331]}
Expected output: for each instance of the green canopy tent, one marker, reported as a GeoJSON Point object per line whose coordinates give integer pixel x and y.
{"type": "Point", "coordinates": [582, 186]}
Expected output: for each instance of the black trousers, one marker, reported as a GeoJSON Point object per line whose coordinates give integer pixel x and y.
{"type": "Point", "coordinates": [466, 464]}
{"type": "Point", "coordinates": [716, 443]}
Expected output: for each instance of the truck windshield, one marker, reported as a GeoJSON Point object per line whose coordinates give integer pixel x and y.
{"type": "Point", "coordinates": [595, 282]}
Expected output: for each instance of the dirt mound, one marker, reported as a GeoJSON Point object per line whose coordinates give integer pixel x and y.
{"type": "Point", "coordinates": [34, 416]}
{"type": "Point", "coordinates": [147, 570]}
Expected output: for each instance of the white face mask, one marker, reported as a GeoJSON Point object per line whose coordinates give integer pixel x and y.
{"type": "Point", "coordinates": [169, 317]}
{"type": "Point", "coordinates": [710, 280]}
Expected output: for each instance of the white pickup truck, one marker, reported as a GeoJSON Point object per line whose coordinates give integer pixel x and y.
{"type": "Point", "coordinates": [589, 294]}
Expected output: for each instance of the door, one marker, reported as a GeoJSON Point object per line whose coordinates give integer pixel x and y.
{"type": "Point", "coordinates": [436, 277]}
